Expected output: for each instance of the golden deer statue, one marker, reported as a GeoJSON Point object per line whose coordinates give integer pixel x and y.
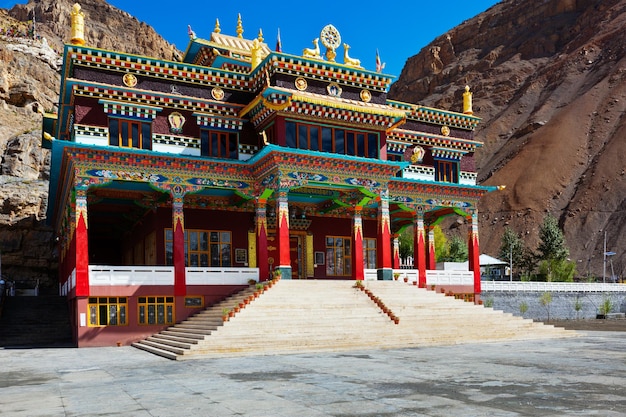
{"type": "Point", "coordinates": [312, 52]}
{"type": "Point", "coordinates": [351, 62]}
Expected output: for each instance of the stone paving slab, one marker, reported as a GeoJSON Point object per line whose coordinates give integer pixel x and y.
{"type": "Point", "coordinates": [583, 376]}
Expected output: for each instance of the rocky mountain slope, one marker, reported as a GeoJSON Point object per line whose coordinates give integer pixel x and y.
{"type": "Point", "coordinates": [549, 83]}
{"type": "Point", "coordinates": [29, 85]}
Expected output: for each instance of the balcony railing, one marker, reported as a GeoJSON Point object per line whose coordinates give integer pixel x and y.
{"type": "Point", "coordinates": [433, 277]}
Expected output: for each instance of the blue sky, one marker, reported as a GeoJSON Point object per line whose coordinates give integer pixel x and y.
{"type": "Point", "coordinates": [398, 29]}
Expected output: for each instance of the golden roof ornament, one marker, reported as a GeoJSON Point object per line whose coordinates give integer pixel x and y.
{"type": "Point", "coordinates": [239, 26]}
{"type": "Point", "coordinates": [467, 101]}
{"type": "Point", "coordinates": [331, 39]}
{"type": "Point", "coordinates": [217, 28]}
{"type": "Point", "coordinates": [312, 52]}
{"type": "Point", "coordinates": [255, 50]}
{"type": "Point", "coordinates": [351, 62]}
{"type": "Point", "coordinates": [77, 31]}
{"type": "Point", "coordinates": [260, 36]}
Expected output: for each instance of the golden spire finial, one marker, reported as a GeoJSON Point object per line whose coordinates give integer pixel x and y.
{"type": "Point", "coordinates": [239, 26]}
{"type": "Point", "coordinates": [77, 31]}
{"type": "Point", "coordinates": [217, 26]}
{"type": "Point", "coordinates": [255, 50]}
{"type": "Point", "coordinates": [467, 101]}
{"type": "Point", "coordinates": [260, 37]}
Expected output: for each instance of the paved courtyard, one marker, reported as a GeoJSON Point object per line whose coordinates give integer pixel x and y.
{"type": "Point", "coordinates": [582, 376]}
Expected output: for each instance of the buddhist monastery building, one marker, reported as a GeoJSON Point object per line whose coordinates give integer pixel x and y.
{"type": "Point", "coordinates": [175, 183]}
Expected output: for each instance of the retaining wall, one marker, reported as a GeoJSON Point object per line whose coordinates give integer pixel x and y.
{"type": "Point", "coordinates": [562, 307]}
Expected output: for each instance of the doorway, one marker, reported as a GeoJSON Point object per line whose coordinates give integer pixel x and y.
{"type": "Point", "coordinates": [296, 254]}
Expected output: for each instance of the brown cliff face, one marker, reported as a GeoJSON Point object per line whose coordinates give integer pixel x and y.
{"type": "Point", "coordinates": [549, 82]}
{"type": "Point", "coordinates": [29, 85]}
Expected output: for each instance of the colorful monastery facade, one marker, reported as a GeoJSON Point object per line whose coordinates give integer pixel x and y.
{"type": "Point", "coordinates": [174, 183]}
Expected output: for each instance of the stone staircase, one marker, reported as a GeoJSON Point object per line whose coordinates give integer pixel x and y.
{"type": "Point", "coordinates": [41, 321]}
{"type": "Point", "coordinates": [313, 316]}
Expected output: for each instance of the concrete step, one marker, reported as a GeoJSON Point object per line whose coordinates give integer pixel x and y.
{"type": "Point", "coordinates": [186, 335]}
{"type": "Point", "coordinates": [163, 346]}
{"type": "Point", "coordinates": [331, 315]}
{"type": "Point", "coordinates": [181, 339]}
{"type": "Point", "coordinates": [160, 352]}
{"type": "Point", "coordinates": [37, 321]}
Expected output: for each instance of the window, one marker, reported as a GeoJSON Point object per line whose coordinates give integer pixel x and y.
{"type": "Point", "coordinates": [446, 171]}
{"type": "Point", "coordinates": [330, 139]}
{"type": "Point", "coordinates": [338, 256]}
{"type": "Point", "coordinates": [369, 253]}
{"type": "Point", "coordinates": [130, 133]}
{"type": "Point", "coordinates": [202, 248]}
{"type": "Point", "coordinates": [107, 311]}
{"type": "Point", "coordinates": [156, 310]}
{"type": "Point", "coordinates": [218, 144]}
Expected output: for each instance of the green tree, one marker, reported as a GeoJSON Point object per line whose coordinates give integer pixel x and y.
{"type": "Point", "coordinates": [546, 300]}
{"type": "Point", "coordinates": [552, 244]}
{"type": "Point", "coordinates": [441, 244]}
{"type": "Point", "coordinates": [406, 242]}
{"type": "Point", "coordinates": [456, 250]}
{"type": "Point", "coordinates": [560, 270]}
{"type": "Point", "coordinates": [523, 307]}
{"type": "Point", "coordinates": [512, 246]}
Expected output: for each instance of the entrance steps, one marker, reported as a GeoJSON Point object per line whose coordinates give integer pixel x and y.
{"type": "Point", "coordinates": [41, 321]}
{"type": "Point", "coordinates": [313, 316]}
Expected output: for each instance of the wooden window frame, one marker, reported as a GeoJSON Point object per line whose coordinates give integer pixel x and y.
{"type": "Point", "coordinates": [190, 251]}
{"type": "Point", "coordinates": [144, 133]}
{"type": "Point", "coordinates": [369, 253]}
{"type": "Point", "coordinates": [343, 141]}
{"type": "Point", "coordinates": [156, 302]}
{"type": "Point", "coordinates": [344, 258]}
{"type": "Point", "coordinates": [97, 307]}
{"type": "Point", "coordinates": [219, 143]}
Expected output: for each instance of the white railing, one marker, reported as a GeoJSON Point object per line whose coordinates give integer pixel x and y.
{"type": "Point", "coordinates": [521, 286]}
{"type": "Point", "coordinates": [220, 276]}
{"type": "Point", "coordinates": [69, 284]}
{"type": "Point", "coordinates": [437, 277]}
{"type": "Point", "coordinates": [411, 274]}
{"type": "Point", "coordinates": [102, 275]}
{"type": "Point", "coordinates": [433, 277]}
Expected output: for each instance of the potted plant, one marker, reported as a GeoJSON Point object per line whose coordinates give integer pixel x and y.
{"type": "Point", "coordinates": [358, 285]}
{"type": "Point", "coordinates": [260, 288]}
{"type": "Point", "coordinates": [406, 279]}
{"type": "Point", "coordinates": [396, 275]}
{"type": "Point", "coordinates": [251, 281]}
{"type": "Point", "coordinates": [225, 314]}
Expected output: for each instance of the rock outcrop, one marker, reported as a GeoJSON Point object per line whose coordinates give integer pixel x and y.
{"type": "Point", "coordinates": [30, 61]}
{"type": "Point", "coordinates": [549, 82]}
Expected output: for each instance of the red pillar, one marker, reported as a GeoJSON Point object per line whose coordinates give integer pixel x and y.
{"type": "Point", "coordinates": [282, 235]}
{"type": "Point", "coordinates": [383, 244]}
{"type": "Point", "coordinates": [261, 240]}
{"type": "Point", "coordinates": [396, 251]}
{"type": "Point", "coordinates": [81, 244]}
{"type": "Point", "coordinates": [358, 267]}
{"type": "Point", "coordinates": [474, 251]}
{"type": "Point", "coordinates": [178, 227]}
{"type": "Point", "coordinates": [419, 249]}
{"type": "Point", "coordinates": [431, 261]}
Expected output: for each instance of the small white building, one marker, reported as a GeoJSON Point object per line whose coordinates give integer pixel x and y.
{"type": "Point", "coordinates": [491, 269]}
